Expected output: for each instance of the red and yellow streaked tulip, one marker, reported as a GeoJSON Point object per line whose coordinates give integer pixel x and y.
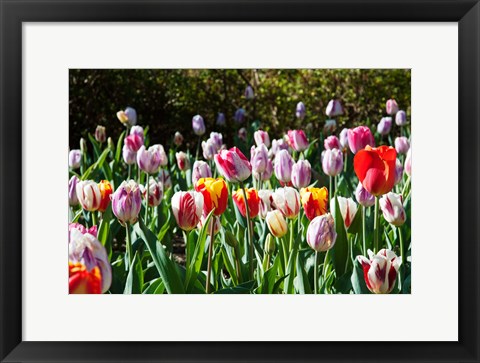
{"type": "Point", "coordinates": [215, 194]}
{"type": "Point", "coordinates": [83, 281]}
{"type": "Point", "coordinates": [252, 199]}
{"type": "Point", "coordinates": [105, 191]}
{"type": "Point", "coordinates": [314, 201]}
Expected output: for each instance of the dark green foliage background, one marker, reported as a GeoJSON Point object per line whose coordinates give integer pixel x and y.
{"type": "Point", "coordinates": [166, 100]}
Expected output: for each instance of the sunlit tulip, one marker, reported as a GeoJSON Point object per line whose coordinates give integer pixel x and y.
{"type": "Point", "coordinates": [129, 156]}
{"type": "Point", "coordinates": [138, 130]}
{"type": "Point", "coordinates": [344, 139]}
{"type": "Point", "coordinates": [221, 119]}
{"type": "Point", "coordinates": [217, 140]}
{"type": "Point", "coordinates": [314, 201]}
{"type": "Point", "coordinates": [408, 162]}
{"type": "Point", "coordinates": [128, 117]}
{"type": "Point", "coordinates": [88, 194]}
{"type": "Point", "coordinates": [261, 137]}
{"type": "Point", "coordinates": [334, 108]}
{"type": "Point", "coordinates": [298, 140]}
{"type": "Point", "coordinates": [398, 171]}
{"type": "Point", "coordinates": [276, 223]}
{"type": "Point", "coordinates": [72, 191]}
{"type": "Point", "coordinates": [332, 142]}
{"type": "Point", "coordinates": [283, 167]}
{"type": "Point", "coordinates": [329, 127]}
{"type": "Point", "coordinates": [233, 165]}
{"type": "Point", "coordinates": [266, 202]}
{"type": "Point", "coordinates": [380, 271]}
{"type": "Point", "coordinates": [155, 192]}
{"type": "Point", "coordinates": [401, 118]}
{"type": "Point", "coordinates": [215, 194]}
{"type": "Point", "coordinates": [83, 281]}
{"type": "Point", "coordinates": [187, 208]}
{"type": "Point", "coordinates": [133, 142]}
{"type": "Point", "coordinates": [392, 208]}
{"type": "Point", "coordinates": [242, 134]}
{"type": "Point", "coordinates": [213, 219]}
{"type": "Point", "coordinates": [269, 246]}
{"type": "Point", "coordinates": [348, 209]}
{"type": "Point", "coordinates": [402, 145]}
{"type": "Point", "coordinates": [92, 230]}
{"type": "Point", "coordinates": [208, 149]}
{"type": "Point", "coordinates": [87, 249]}
{"type": "Point", "coordinates": [178, 138]}
{"type": "Point", "coordinates": [239, 116]}
{"type": "Point", "coordinates": [183, 162]}
{"type": "Point", "coordinates": [259, 158]}
{"type": "Point", "coordinates": [105, 192]}
{"type": "Point", "coordinates": [253, 202]}
{"type": "Point", "coordinates": [363, 196]}
{"type": "Point", "coordinates": [277, 145]}
{"type": "Point", "coordinates": [332, 162]}
{"type": "Point", "coordinates": [301, 174]}
{"type": "Point", "coordinates": [267, 174]}
{"type": "Point", "coordinates": [164, 178]}
{"type": "Point", "coordinates": [300, 111]}
{"type": "Point", "coordinates": [384, 126]}
{"type": "Point", "coordinates": [149, 160]}
{"type": "Point", "coordinates": [321, 235]}
{"type": "Point", "coordinates": [83, 146]}
{"type": "Point", "coordinates": [110, 144]}
{"type": "Point", "coordinates": [74, 158]}
{"type": "Point", "coordinates": [249, 94]}
{"type": "Point", "coordinates": [200, 170]}
{"type": "Point", "coordinates": [163, 155]}
{"type": "Point", "coordinates": [126, 202]}
{"type": "Point", "coordinates": [392, 107]}
{"type": "Point", "coordinates": [198, 125]}
{"type": "Point", "coordinates": [359, 138]}
{"type": "Point", "coordinates": [100, 134]}
{"type": "Point", "coordinates": [375, 168]}
{"type": "Point", "coordinates": [287, 200]}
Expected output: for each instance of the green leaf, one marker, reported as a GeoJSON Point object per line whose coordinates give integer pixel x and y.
{"type": "Point", "coordinates": [341, 245]}
{"type": "Point", "coordinates": [289, 288]}
{"type": "Point", "coordinates": [245, 288]}
{"type": "Point", "coordinates": [301, 281]}
{"type": "Point", "coordinates": [134, 283]}
{"type": "Point", "coordinates": [268, 281]}
{"type": "Point", "coordinates": [118, 151]}
{"type": "Point", "coordinates": [166, 267]}
{"type": "Point", "coordinates": [96, 148]}
{"type": "Point", "coordinates": [356, 225]}
{"type": "Point", "coordinates": [98, 164]}
{"type": "Point", "coordinates": [156, 286]}
{"type": "Point", "coordinates": [229, 265]}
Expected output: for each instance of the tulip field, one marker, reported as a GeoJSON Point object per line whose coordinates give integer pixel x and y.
{"type": "Point", "coordinates": [322, 210]}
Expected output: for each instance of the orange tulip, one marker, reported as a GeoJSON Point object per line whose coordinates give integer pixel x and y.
{"type": "Point", "coordinates": [215, 194]}
{"type": "Point", "coordinates": [105, 192]}
{"type": "Point", "coordinates": [252, 200]}
{"type": "Point", "coordinates": [314, 201]}
{"type": "Point", "coordinates": [375, 168]}
{"type": "Point", "coordinates": [82, 281]}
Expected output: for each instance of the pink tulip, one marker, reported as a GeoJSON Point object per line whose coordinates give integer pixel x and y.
{"type": "Point", "coordinates": [334, 108]}
{"type": "Point", "coordinates": [401, 118]}
{"type": "Point", "coordinates": [408, 163]}
{"type": "Point", "coordinates": [133, 142]}
{"type": "Point", "coordinates": [129, 156]}
{"type": "Point", "coordinates": [261, 137]}
{"type": "Point", "coordinates": [233, 165]}
{"type": "Point", "coordinates": [283, 167]}
{"type": "Point", "coordinates": [359, 137]}
{"type": "Point", "coordinates": [321, 235]}
{"type": "Point", "coordinates": [380, 271]}
{"type": "Point", "coordinates": [267, 173]}
{"type": "Point", "coordinates": [126, 202]}
{"type": "Point", "coordinates": [301, 174]}
{"type": "Point", "coordinates": [298, 140]}
{"type": "Point", "coordinates": [138, 130]}
{"type": "Point", "coordinates": [332, 142]}
{"type": "Point", "coordinates": [149, 160]}
{"type": "Point", "coordinates": [402, 145]}
{"type": "Point", "coordinates": [200, 170]}
{"type": "Point", "coordinates": [277, 145]}
{"type": "Point", "coordinates": [392, 107]}
{"type": "Point", "coordinates": [259, 158]}
{"type": "Point", "coordinates": [363, 196]}
{"type": "Point", "coordinates": [332, 162]}
{"type": "Point", "coordinates": [384, 126]}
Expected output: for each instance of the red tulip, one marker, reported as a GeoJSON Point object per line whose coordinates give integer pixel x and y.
{"type": "Point", "coordinates": [252, 200]}
{"type": "Point", "coordinates": [215, 194]}
{"type": "Point", "coordinates": [375, 168]}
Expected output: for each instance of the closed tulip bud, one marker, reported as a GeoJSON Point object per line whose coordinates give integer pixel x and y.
{"type": "Point", "coordinates": [300, 111]}
{"type": "Point", "coordinates": [314, 201]}
{"type": "Point", "coordinates": [253, 202]}
{"type": "Point", "coordinates": [239, 116]}
{"type": "Point", "coordinates": [398, 171]}
{"type": "Point", "coordinates": [301, 174]}
{"type": "Point", "coordinates": [187, 208]}
{"type": "Point", "coordinates": [110, 144]}
{"type": "Point", "coordinates": [83, 281]}
{"type": "Point", "coordinates": [334, 108]}
{"type": "Point", "coordinates": [384, 126]}
{"type": "Point", "coordinates": [283, 167]}
{"type": "Point", "coordinates": [298, 140]}
{"type": "Point", "coordinates": [230, 239]}
{"type": "Point", "coordinates": [348, 209]}
{"type": "Point", "coordinates": [261, 137]}
{"type": "Point", "coordinates": [277, 145]}
{"type": "Point", "coordinates": [217, 140]}
{"type": "Point", "coordinates": [266, 202]}
{"type": "Point", "coordinates": [126, 202]}
{"type": "Point", "coordinates": [149, 160]}
{"type": "Point", "coordinates": [221, 121]}
{"type": "Point", "coordinates": [375, 168]}
{"type": "Point", "coordinates": [72, 191]}
{"type": "Point", "coordinates": [363, 196]}
{"type": "Point", "coordinates": [215, 195]}
{"type": "Point", "coordinates": [87, 250]}
{"type": "Point", "coordinates": [392, 107]}
{"type": "Point", "coordinates": [83, 146]}
{"type": "Point", "coordinates": [332, 162]}
{"type": "Point", "coordinates": [133, 142]}
{"type": "Point", "coordinates": [276, 223]}
{"type": "Point", "coordinates": [269, 245]}
{"type": "Point", "coordinates": [287, 200]}
{"type": "Point", "coordinates": [178, 139]}
{"type": "Point", "coordinates": [321, 235]}
{"type": "Point", "coordinates": [401, 118]}
{"type": "Point", "coordinates": [267, 174]}
{"type": "Point", "coordinates": [259, 158]}
{"type": "Point", "coordinates": [408, 163]}
{"type": "Point", "coordinates": [392, 208]}
{"type": "Point", "coordinates": [105, 192]}
{"type": "Point", "coordinates": [214, 219]}
{"type": "Point", "coordinates": [330, 126]}
{"type": "Point", "coordinates": [242, 134]}
{"type": "Point", "coordinates": [88, 194]}
{"type": "Point", "coordinates": [138, 130]}
{"type": "Point", "coordinates": [380, 271]}
{"type": "Point", "coordinates": [402, 145]}
{"type": "Point", "coordinates": [128, 117]}
{"type": "Point", "coordinates": [359, 138]}
{"type": "Point", "coordinates": [129, 156]}
{"type": "Point", "coordinates": [344, 139]}
{"type": "Point", "coordinates": [198, 125]}
{"type": "Point", "coordinates": [249, 95]}
{"type": "Point", "coordinates": [332, 142]}
{"type": "Point", "coordinates": [100, 134]}
{"type": "Point", "coordinates": [200, 170]}
{"type": "Point", "coordinates": [155, 192]}
{"type": "Point", "coordinates": [183, 162]}
{"type": "Point", "coordinates": [233, 165]}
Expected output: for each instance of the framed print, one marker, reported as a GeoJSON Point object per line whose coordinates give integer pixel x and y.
{"type": "Point", "coordinates": [288, 181]}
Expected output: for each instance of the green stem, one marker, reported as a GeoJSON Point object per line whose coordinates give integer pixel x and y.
{"type": "Point", "coordinates": [376, 226]}
{"type": "Point", "coordinates": [363, 232]}
{"type": "Point", "coordinates": [237, 263]}
{"type": "Point", "coordinates": [198, 147]}
{"type": "Point", "coordinates": [94, 218]}
{"type": "Point", "coordinates": [345, 162]}
{"type": "Point", "coordinates": [290, 245]}
{"type": "Point", "coordinates": [315, 274]}
{"type": "Point", "coordinates": [210, 252]}
{"type": "Point", "coordinates": [330, 191]}
{"type": "Point", "coordinates": [402, 247]}
{"type": "Point", "coordinates": [325, 263]}
{"type": "Point", "coordinates": [128, 242]}
{"type": "Point", "coordinates": [146, 200]}
{"type": "Point", "coordinates": [299, 221]}
{"type": "Point", "coordinates": [249, 232]}
{"type": "Point", "coordinates": [129, 171]}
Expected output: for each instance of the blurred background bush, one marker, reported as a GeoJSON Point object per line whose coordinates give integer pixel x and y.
{"type": "Point", "coordinates": [166, 100]}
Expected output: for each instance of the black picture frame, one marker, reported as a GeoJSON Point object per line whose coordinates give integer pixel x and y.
{"type": "Point", "coordinates": [14, 13]}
